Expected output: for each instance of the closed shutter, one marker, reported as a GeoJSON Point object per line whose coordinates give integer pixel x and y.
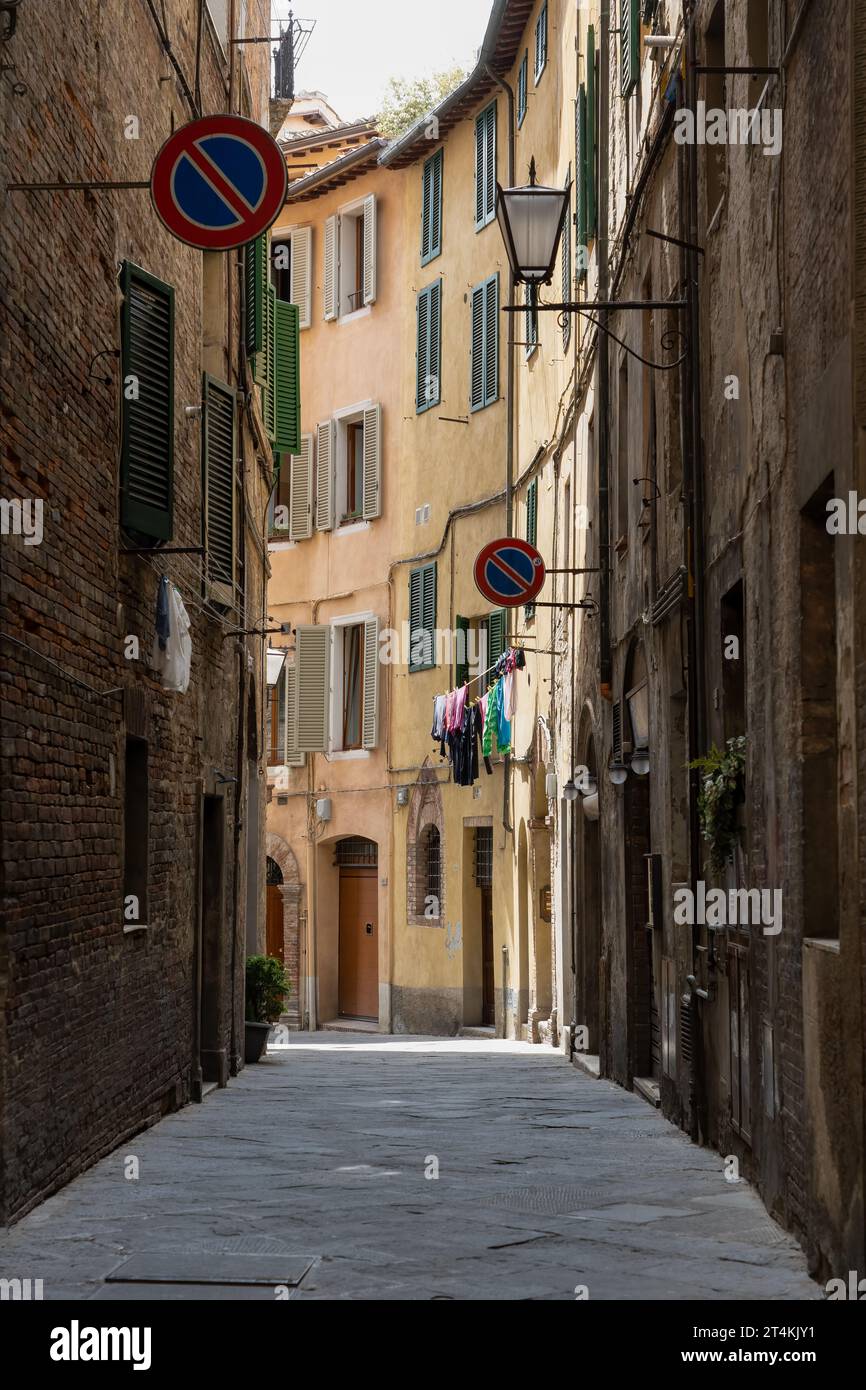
{"type": "Point", "coordinates": [302, 274]}
{"type": "Point", "coordinates": [565, 250]}
{"type": "Point", "coordinates": [372, 462]}
{"type": "Point", "coordinates": [325, 456]}
{"type": "Point", "coordinates": [269, 356]}
{"type": "Point", "coordinates": [541, 42]}
{"type": "Point", "coordinates": [294, 756]}
{"type": "Point", "coordinates": [219, 450]}
{"type": "Point", "coordinates": [330, 288]}
{"type": "Point", "coordinates": [580, 180]}
{"type": "Point", "coordinates": [490, 171]}
{"type": "Point", "coordinates": [147, 383]}
{"type": "Point", "coordinates": [522, 76]}
{"type": "Point", "coordinates": [461, 658]}
{"type": "Point", "coordinates": [301, 491]}
{"type": "Point", "coordinates": [479, 171]}
{"type": "Point", "coordinates": [256, 283]}
{"type": "Point", "coordinates": [491, 340]}
{"type": "Point", "coordinates": [629, 39]}
{"type": "Point", "coordinates": [531, 530]}
{"type": "Point", "coordinates": [313, 663]}
{"type": "Point", "coordinates": [371, 682]}
{"type": "Point", "coordinates": [422, 618]}
{"type": "Point", "coordinates": [427, 388]}
{"type": "Point", "coordinates": [431, 208]}
{"type": "Point", "coordinates": [590, 133]}
{"type": "Point", "coordinates": [370, 249]}
{"type": "Point", "coordinates": [286, 377]}
{"type": "Point", "coordinates": [485, 166]}
{"type": "Point", "coordinates": [476, 373]}
{"type": "Point", "coordinates": [496, 634]}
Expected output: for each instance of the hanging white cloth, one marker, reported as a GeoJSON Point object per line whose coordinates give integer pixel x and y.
{"type": "Point", "coordinates": [175, 660]}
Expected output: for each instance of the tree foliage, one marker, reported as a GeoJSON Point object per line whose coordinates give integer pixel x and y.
{"type": "Point", "coordinates": [406, 102]}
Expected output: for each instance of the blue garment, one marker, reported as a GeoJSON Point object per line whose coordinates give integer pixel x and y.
{"type": "Point", "coordinates": [163, 623]}
{"type": "Point", "coordinates": [503, 725]}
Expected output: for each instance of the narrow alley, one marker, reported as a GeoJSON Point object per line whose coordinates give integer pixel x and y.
{"type": "Point", "coordinates": [312, 1167]}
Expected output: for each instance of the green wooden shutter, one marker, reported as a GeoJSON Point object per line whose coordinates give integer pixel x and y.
{"type": "Point", "coordinates": [522, 76]}
{"type": "Point", "coordinates": [287, 375]}
{"type": "Point", "coordinates": [267, 358]}
{"type": "Point", "coordinates": [431, 208]}
{"type": "Point", "coordinates": [461, 660]}
{"type": "Point", "coordinates": [541, 41]}
{"type": "Point", "coordinates": [485, 166]}
{"type": "Point", "coordinates": [590, 132]}
{"type": "Point", "coordinates": [490, 172]}
{"type": "Point", "coordinates": [580, 176]}
{"type": "Point", "coordinates": [219, 448]}
{"type": "Point", "coordinates": [427, 365]}
{"type": "Point", "coordinates": [479, 170]}
{"type": "Point", "coordinates": [491, 340]}
{"type": "Point", "coordinates": [496, 633]}
{"type": "Point", "coordinates": [422, 350]}
{"type": "Point", "coordinates": [565, 251]}
{"type": "Point", "coordinates": [531, 530]}
{"type": "Point", "coordinates": [476, 386]}
{"type": "Point", "coordinates": [147, 384]}
{"type": "Point", "coordinates": [422, 617]}
{"type": "Point", "coordinates": [256, 281]}
{"type": "Point", "coordinates": [629, 40]}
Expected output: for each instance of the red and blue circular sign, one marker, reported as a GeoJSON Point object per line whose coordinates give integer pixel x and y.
{"type": "Point", "coordinates": [509, 572]}
{"type": "Point", "coordinates": [219, 182]}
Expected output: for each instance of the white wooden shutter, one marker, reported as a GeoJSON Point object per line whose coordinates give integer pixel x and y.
{"type": "Point", "coordinates": [301, 491]}
{"type": "Point", "coordinates": [371, 682]}
{"type": "Point", "coordinates": [330, 288]}
{"type": "Point", "coordinates": [293, 755]}
{"type": "Point", "coordinates": [372, 462]}
{"type": "Point", "coordinates": [313, 665]}
{"type": "Point", "coordinates": [370, 249]}
{"type": "Point", "coordinates": [302, 274]}
{"type": "Point", "coordinates": [326, 453]}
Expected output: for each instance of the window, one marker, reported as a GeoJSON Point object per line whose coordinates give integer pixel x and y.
{"type": "Point", "coordinates": [522, 78]}
{"type": "Point", "coordinates": [565, 252]}
{"type": "Point", "coordinates": [219, 449]}
{"type": "Point", "coordinates": [279, 507]}
{"type": "Point", "coordinates": [484, 376]}
{"type": "Point", "coordinates": [431, 208]}
{"type": "Point", "coordinates": [427, 385]}
{"type": "Point", "coordinates": [429, 874]}
{"type": "Point", "coordinates": [485, 166]}
{"type": "Point", "coordinates": [339, 714]}
{"type": "Point", "coordinates": [281, 727]}
{"type": "Point", "coordinates": [348, 477]}
{"type": "Point", "coordinates": [629, 45]}
{"type": "Point", "coordinates": [530, 319]}
{"type": "Point", "coordinates": [422, 618]}
{"type": "Point", "coordinates": [136, 833]}
{"type": "Point", "coordinates": [350, 259]}
{"type": "Point", "coordinates": [484, 856]}
{"type": "Point", "coordinates": [291, 271]}
{"type": "Point", "coordinates": [758, 32]}
{"type": "Point", "coordinates": [147, 448]}
{"type": "Point", "coordinates": [531, 530]}
{"type": "Point", "coordinates": [271, 334]}
{"type": "Point", "coordinates": [541, 42]}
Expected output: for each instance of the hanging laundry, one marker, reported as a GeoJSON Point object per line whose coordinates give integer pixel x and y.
{"type": "Point", "coordinates": [173, 660]}
{"type": "Point", "coordinates": [163, 625]}
{"type": "Point", "coordinates": [510, 694]}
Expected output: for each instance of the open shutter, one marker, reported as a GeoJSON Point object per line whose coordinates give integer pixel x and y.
{"type": "Point", "coordinates": [461, 658]}
{"type": "Point", "coordinates": [325, 453]}
{"type": "Point", "coordinates": [147, 383]}
{"type": "Point", "coordinates": [294, 756]}
{"type": "Point", "coordinates": [268, 358]}
{"type": "Point", "coordinates": [301, 490]}
{"type": "Point", "coordinates": [590, 132]}
{"type": "Point", "coordinates": [302, 274]}
{"type": "Point", "coordinates": [480, 136]}
{"type": "Point", "coordinates": [491, 340]}
{"type": "Point", "coordinates": [565, 252]}
{"type": "Point", "coordinates": [313, 664]}
{"type": "Point", "coordinates": [256, 283]}
{"type": "Point", "coordinates": [372, 462]}
{"type": "Point", "coordinates": [521, 89]}
{"type": "Point", "coordinates": [287, 376]}
{"type": "Point", "coordinates": [422, 368]}
{"type": "Point", "coordinates": [496, 633]}
{"type": "Point", "coordinates": [580, 178]}
{"type": "Point", "coordinates": [476, 386]}
{"type": "Point", "coordinates": [434, 357]}
{"type": "Point", "coordinates": [331, 272]}
{"type": "Point", "coordinates": [370, 249]}
{"type": "Point", "coordinates": [436, 215]}
{"type": "Point", "coordinates": [490, 170]}
{"type": "Point", "coordinates": [629, 39]}
{"type": "Point", "coordinates": [219, 448]}
{"type": "Point", "coordinates": [371, 682]}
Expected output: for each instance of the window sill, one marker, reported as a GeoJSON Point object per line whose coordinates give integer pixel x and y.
{"type": "Point", "coordinates": [355, 314]}
{"type": "Point", "coordinates": [130, 927]}
{"type": "Point", "coordinates": [350, 528]}
{"type": "Point", "coordinates": [345, 755]}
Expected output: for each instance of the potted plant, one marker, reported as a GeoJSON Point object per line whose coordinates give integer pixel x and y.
{"type": "Point", "coordinates": [267, 987]}
{"type": "Point", "coordinates": [721, 795]}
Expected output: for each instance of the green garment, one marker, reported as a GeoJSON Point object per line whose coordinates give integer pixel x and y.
{"type": "Point", "coordinates": [490, 723]}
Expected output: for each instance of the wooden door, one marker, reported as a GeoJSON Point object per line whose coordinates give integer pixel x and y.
{"type": "Point", "coordinates": [359, 943]}
{"type": "Point", "coordinates": [274, 922]}
{"type": "Point", "coordinates": [488, 1004]}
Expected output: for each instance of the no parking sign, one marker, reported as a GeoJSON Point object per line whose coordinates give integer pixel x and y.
{"type": "Point", "coordinates": [219, 182]}
{"type": "Point", "coordinates": [509, 571]}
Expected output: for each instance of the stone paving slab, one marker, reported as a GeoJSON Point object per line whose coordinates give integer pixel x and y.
{"type": "Point", "coordinates": [547, 1179]}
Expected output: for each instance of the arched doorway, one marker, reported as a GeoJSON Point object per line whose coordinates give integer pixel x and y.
{"type": "Point", "coordinates": [641, 972]}
{"type": "Point", "coordinates": [358, 981]}
{"type": "Point", "coordinates": [587, 926]}
{"type": "Point", "coordinates": [274, 938]}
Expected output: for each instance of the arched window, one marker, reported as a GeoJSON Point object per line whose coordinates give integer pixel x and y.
{"type": "Point", "coordinates": [429, 874]}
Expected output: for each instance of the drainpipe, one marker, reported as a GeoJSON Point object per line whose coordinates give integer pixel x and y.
{"type": "Point", "coordinates": [509, 415]}
{"type": "Point", "coordinates": [604, 546]}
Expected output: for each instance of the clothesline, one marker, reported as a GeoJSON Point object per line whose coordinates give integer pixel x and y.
{"type": "Point", "coordinates": [459, 724]}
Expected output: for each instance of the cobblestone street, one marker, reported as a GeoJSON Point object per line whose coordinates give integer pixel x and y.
{"type": "Point", "coordinates": [308, 1172]}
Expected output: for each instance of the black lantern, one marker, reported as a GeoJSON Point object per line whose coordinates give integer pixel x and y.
{"type": "Point", "coordinates": [531, 220]}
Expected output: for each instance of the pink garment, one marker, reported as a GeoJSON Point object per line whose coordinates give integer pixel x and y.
{"type": "Point", "coordinates": [458, 708]}
{"type": "Point", "coordinates": [483, 703]}
{"type": "Point", "coordinates": [449, 709]}
{"type": "Point", "coordinates": [509, 695]}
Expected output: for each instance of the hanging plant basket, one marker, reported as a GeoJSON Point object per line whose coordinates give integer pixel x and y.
{"type": "Point", "coordinates": [723, 776]}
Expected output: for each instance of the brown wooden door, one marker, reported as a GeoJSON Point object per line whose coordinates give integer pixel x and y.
{"type": "Point", "coordinates": [488, 1006]}
{"type": "Point", "coordinates": [359, 943]}
{"type": "Point", "coordinates": [274, 922]}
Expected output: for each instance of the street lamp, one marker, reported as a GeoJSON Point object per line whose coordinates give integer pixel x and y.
{"type": "Point", "coordinates": [531, 220]}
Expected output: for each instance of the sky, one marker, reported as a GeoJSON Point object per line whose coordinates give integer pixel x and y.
{"type": "Point", "coordinates": [358, 44]}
